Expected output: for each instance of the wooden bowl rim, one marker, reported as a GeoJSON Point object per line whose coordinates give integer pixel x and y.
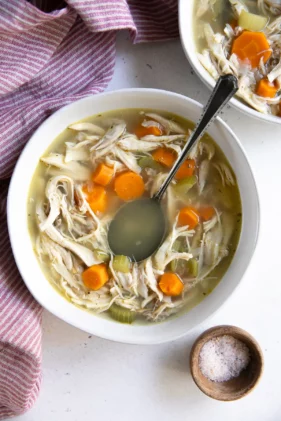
{"type": "Point", "coordinates": [217, 331]}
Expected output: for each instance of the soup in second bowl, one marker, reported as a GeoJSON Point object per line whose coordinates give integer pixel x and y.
{"type": "Point", "coordinates": [243, 38]}
{"type": "Point", "coordinates": [90, 171]}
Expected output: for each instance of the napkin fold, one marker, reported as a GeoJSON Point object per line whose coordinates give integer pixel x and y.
{"type": "Point", "coordinates": [48, 60]}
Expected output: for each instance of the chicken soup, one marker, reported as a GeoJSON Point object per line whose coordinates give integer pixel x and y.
{"type": "Point", "coordinates": [90, 171]}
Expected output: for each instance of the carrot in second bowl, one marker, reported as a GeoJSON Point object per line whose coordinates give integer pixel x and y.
{"type": "Point", "coordinates": [251, 47]}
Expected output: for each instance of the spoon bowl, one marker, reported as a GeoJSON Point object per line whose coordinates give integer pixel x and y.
{"type": "Point", "coordinates": [138, 229]}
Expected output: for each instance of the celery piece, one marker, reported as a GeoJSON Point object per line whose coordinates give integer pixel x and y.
{"type": "Point", "coordinates": [252, 22]}
{"type": "Point", "coordinates": [178, 266]}
{"type": "Point", "coordinates": [101, 255]}
{"type": "Point", "coordinates": [149, 162]}
{"type": "Point", "coordinates": [121, 263]}
{"type": "Point", "coordinates": [173, 265]}
{"type": "Point", "coordinates": [184, 185]}
{"type": "Point", "coordinates": [177, 245]}
{"type": "Point", "coordinates": [193, 267]}
{"type": "Point", "coordinates": [121, 314]}
{"type": "Point", "coordinates": [196, 239]}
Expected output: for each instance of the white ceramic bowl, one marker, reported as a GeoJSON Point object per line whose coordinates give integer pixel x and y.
{"type": "Point", "coordinates": [186, 25]}
{"type": "Point", "coordinates": [25, 258]}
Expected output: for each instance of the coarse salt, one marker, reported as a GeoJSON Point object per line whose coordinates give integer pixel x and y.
{"type": "Point", "coordinates": [223, 358]}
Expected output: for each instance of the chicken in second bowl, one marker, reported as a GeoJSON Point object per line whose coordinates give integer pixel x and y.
{"type": "Point", "coordinates": [243, 38]}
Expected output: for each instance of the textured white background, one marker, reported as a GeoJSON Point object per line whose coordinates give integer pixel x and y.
{"type": "Point", "coordinates": [86, 378]}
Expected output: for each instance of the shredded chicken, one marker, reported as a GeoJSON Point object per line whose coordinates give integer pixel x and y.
{"type": "Point", "coordinates": [170, 126]}
{"type": "Point", "coordinates": [87, 127]}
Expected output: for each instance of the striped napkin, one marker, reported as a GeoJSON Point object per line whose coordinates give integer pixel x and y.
{"type": "Point", "coordinates": [46, 61]}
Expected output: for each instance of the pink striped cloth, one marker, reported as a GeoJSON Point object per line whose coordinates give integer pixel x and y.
{"type": "Point", "coordinates": [48, 60]}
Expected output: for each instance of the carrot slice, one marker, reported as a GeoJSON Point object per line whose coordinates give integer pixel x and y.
{"type": "Point", "coordinates": [142, 131]}
{"type": "Point", "coordinates": [129, 186]}
{"type": "Point", "coordinates": [96, 197]}
{"type": "Point", "coordinates": [170, 284]}
{"type": "Point", "coordinates": [251, 47]}
{"type": "Point", "coordinates": [103, 174]}
{"type": "Point", "coordinates": [266, 88]}
{"type": "Point", "coordinates": [186, 169]}
{"type": "Point", "coordinates": [165, 156]}
{"type": "Point", "coordinates": [95, 276]}
{"type": "Point", "coordinates": [188, 216]}
{"type": "Point", "coordinates": [207, 213]}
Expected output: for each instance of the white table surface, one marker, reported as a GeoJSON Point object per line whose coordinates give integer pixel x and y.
{"type": "Point", "coordinates": [86, 378]}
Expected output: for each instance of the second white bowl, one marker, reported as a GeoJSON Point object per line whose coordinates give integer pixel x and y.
{"type": "Point", "coordinates": [186, 25]}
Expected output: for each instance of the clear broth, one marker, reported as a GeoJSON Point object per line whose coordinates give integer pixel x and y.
{"type": "Point", "coordinates": [133, 117]}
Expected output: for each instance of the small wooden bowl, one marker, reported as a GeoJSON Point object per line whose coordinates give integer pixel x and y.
{"type": "Point", "coordinates": [237, 387]}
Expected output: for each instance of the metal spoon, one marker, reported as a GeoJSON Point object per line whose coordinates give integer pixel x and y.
{"type": "Point", "coordinates": [139, 227]}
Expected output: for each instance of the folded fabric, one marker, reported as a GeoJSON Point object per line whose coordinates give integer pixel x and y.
{"type": "Point", "coordinates": [48, 60]}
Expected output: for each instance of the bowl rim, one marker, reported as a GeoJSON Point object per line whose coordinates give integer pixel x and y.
{"type": "Point", "coordinates": [16, 252]}
{"type": "Point", "coordinates": [186, 11]}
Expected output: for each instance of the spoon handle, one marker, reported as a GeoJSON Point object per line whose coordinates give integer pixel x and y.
{"type": "Point", "coordinates": [224, 90]}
